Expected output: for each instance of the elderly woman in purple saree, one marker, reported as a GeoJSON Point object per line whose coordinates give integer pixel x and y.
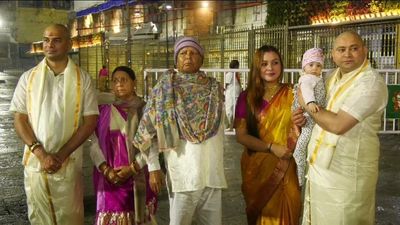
{"type": "Point", "coordinates": [123, 194]}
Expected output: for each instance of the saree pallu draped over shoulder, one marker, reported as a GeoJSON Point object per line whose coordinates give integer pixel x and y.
{"type": "Point", "coordinates": [270, 186]}
{"type": "Point", "coordinates": [132, 202]}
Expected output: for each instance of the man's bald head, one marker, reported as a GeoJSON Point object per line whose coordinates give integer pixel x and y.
{"type": "Point", "coordinates": [349, 51]}
{"type": "Point", "coordinates": [56, 42]}
{"type": "Point", "coordinates": [349, 33]}
{"type": "Point", "coordinates": [60, 27]}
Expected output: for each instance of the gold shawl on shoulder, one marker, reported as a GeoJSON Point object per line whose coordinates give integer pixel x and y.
{"type": "Point", "coordinates": [71, 106]}
{"type": "Point", "coordinates": [322, 143]}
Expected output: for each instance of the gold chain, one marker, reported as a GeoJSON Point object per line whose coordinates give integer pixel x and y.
{"type": "Point", "coordinates": [269, 92]}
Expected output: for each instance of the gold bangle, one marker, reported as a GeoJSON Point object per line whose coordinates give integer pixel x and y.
{"type": "Point", "coordinates": [270, 147]}
{"type": "Point", "coordinates": [106, 170]}
{"type": "Point", "coordinates": [34, 145]}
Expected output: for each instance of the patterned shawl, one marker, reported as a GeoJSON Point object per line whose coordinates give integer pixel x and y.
{"type": "Point", "coordinates": [181, 106]}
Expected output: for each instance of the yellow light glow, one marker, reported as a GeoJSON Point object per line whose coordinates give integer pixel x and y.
{"type": "Point", "coordinates": [88, 21]}
{"type": "Point", "coordinates": [116, 28]}
{"type": "Point", "coordinates": [204, 4]}
{"type": "Point", "coordinates": [321, 19]}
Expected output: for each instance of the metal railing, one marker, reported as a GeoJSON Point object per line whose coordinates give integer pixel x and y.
{"type": "Point", "coordinates": [391, 76]}
{"type": "Point", "coordinates": [381, 37]}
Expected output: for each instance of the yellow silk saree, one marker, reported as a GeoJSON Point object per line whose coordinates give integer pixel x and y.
{"type": "Point", "coordinates": [269, 184]}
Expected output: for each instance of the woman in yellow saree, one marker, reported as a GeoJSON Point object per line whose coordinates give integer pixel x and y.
{"type": "Point", "coordinates": [263, 125]}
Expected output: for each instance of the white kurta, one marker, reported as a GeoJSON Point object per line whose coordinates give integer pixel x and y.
{"type": "Point", "coordinates": [64, 187]}
{"type": "Point", "coordinates": [195, 177]}
{"type": "Point", "coordinates": [193, 167]}
{"type": "Point", "coordinates": [342, 189]}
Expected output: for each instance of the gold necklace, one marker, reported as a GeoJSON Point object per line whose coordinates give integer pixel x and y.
{"type": "Point", "coordinates": [269, 92]}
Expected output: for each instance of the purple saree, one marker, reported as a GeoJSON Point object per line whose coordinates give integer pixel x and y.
{"type": "Point", "coordinates": [116, 203]}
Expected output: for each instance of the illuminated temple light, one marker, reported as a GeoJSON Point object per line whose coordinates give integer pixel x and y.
{"type": "Point", "coordinates": [116, 29]}
{"type": "Point", "coordinates": [37, 47]}
{"type": "Point", "coordinates": [316, 20]}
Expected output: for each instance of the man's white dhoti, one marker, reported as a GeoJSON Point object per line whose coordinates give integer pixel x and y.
{"type": "Point", "coordinates": [55, 197]}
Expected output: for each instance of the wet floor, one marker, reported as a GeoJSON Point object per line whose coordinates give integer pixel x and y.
{"type": "Point", "coordinates": [12, 197]}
